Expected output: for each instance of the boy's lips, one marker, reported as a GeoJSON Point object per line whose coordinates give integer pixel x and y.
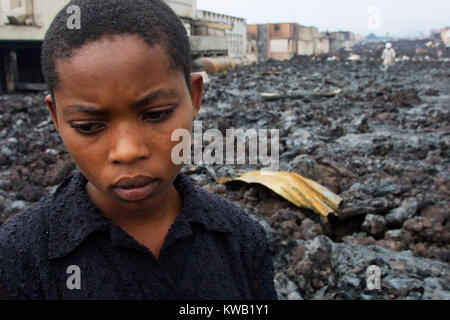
{"type": "Point", "coordinates": [134, 188]}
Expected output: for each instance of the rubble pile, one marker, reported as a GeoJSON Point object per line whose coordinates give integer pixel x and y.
{"type": "Point", "coordinates": [382, 145]}
{"type": "Point", "coordinates": [425, 49]}
{"type": "Point", "coordinates": [33, 159]}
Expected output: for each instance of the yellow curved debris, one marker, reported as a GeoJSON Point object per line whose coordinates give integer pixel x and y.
{"type": "Point", "coordinates": [298, 190]}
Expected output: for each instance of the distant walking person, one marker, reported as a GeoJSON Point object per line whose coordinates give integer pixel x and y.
{"type": "Point", "coordinates": [388, 57]}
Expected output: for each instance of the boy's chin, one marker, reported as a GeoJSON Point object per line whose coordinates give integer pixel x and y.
{"type": "Point", "coordinates": [135, 206]}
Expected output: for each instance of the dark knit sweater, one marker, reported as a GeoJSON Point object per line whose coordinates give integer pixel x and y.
{"type": "Point", "coordinates": [63, 248]}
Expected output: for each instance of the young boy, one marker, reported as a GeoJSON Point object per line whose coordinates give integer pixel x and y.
{"type": "Point", "coordinates": [128, 224]}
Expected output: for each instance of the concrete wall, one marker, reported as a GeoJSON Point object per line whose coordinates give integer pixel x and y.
{"type": "Point", "coordinates": [282, 55]}
{"type": "Point", "coordinates": [184, 8]}
{"type": "Point", "coordinates": [284, 40]}
{"type": "Point", "coordinates": [349, 44]}
{"type": "Point", "coordinates": [305, 47]}
{"type": "Point", "coordinates": [204, 30]}
{"type": "Point", "coordinates": [308, 33]}
{"type": "Point", "coordinates": [445, 37]}
{"type": "Point", "coordinates": [201, 44]}
{"type": "Point", "coordinates": [279, 45]}
{"type": "Point", "coordinates": [263, 42]}
{"type": "Point", "coordinates": [252, 51]}
{"type": "Point", "coordinates": [252, 32]}
{"type": "Point", "coordinates": [44, 12]}
{"type": "Point", "coordinates": [281, 31]}
{"type": "Point", "coordinates": [321, 46]}
{"type": "Point", "coordinates": [309, 41]}
{"type": "Point", "coordinates": [16, 9]}
{"type": "Point", "coordinates": [235, 30]}
{"type": "Point", "coordinates": [188, 25]}
{"type": "Point", "coordinates": [341, 40]}
{"type": "Point", "coordinates": [336, 45]}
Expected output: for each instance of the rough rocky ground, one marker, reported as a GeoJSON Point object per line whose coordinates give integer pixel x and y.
{"type": "Point", "coordinates": [382, 145]}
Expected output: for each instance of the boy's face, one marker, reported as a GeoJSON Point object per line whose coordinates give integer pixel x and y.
{"type": "Point", "coordinates": [117, 103]}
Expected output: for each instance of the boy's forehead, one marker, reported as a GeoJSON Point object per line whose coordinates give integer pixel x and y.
{"type": "Point", "coordinates": [124, 53]}
{"type": "Point", "coordinates": [124, 61]}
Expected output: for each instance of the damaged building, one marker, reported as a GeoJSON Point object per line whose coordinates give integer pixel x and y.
{"type": "Point", "coordinates": [445, 36]}
{"type": "Point", "coordinates": [22, 28]}
{"type": "Point", "coordinates": [23, 24]}
{"type": "Point", "coordinates": [312, 42]}
{"type": "Point", "coordinates": [285, 40]}
{"type": "Point", "coordinates": [234, 29]}
{"type": "Point", "coordinates": [341, 40]}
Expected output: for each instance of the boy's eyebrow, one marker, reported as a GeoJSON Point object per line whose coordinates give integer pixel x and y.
{"type": "Point", "coordinates": [163, 93]}
{"type": "Point", "coordinates": [77, 108]}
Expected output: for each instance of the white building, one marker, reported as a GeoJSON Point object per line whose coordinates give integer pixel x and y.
{"type": "Point", "coordinates": [235, 30]}
{"type": "Point", "coordinates": [445, 36]}
{"type": "Point", "coordinates": [23, 24]}
{"type": "Point", "coordinates": [212, 32]}
{"type": "Point", "coordinates": [27, 19]}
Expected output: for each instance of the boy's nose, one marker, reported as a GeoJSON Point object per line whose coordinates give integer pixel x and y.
{"type": "Point", "coordinates": [128, 146]}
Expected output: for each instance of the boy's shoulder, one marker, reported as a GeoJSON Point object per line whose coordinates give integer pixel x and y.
{"type": "Point", "coordinates": [233, 212]}
{"type": "Point", "coordinates": [228, 216]}
{"type": "Point", "coordinates": [28, 232]}
{"type": "Point", "coordinates": [27, 229]}
{"type": "Point", "coordinates": [35, 220]}
{"type": "Point", "coordinates": [23, 244]}
{"type": "Point", "coordinates": [30, 218]}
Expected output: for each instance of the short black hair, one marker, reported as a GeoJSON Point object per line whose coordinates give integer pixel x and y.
{"type": "Point", "coordinates": [153, 20]}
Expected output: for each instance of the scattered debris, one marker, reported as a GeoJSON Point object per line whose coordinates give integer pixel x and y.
{"type": "Point", "coordinates": [354, 57]}
{"type": "Point", "coordinates": [205, 77]}
{"type": "Point", "coordinates": [299, 190]}
{"type": "Point", "coordinates": [381, 145]}
{"type": "Point", "coordinates": [212, 65]}
{"type": "Point", "coordinates": [299, 95]}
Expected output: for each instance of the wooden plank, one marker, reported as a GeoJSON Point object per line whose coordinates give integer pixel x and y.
{"type": "Point", "coordinates": [11, 72]}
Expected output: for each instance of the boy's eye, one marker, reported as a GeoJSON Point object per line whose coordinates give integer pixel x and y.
{"type": "Point", "coordinates": [88, 128]}
{"type": "Point", "coordinates": [155, 116]}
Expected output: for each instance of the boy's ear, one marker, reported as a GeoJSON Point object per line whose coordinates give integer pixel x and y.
{"type": "Point", "coordinates": [196, 92]}
{"type": "Point", "coordinates": [52, 108]}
